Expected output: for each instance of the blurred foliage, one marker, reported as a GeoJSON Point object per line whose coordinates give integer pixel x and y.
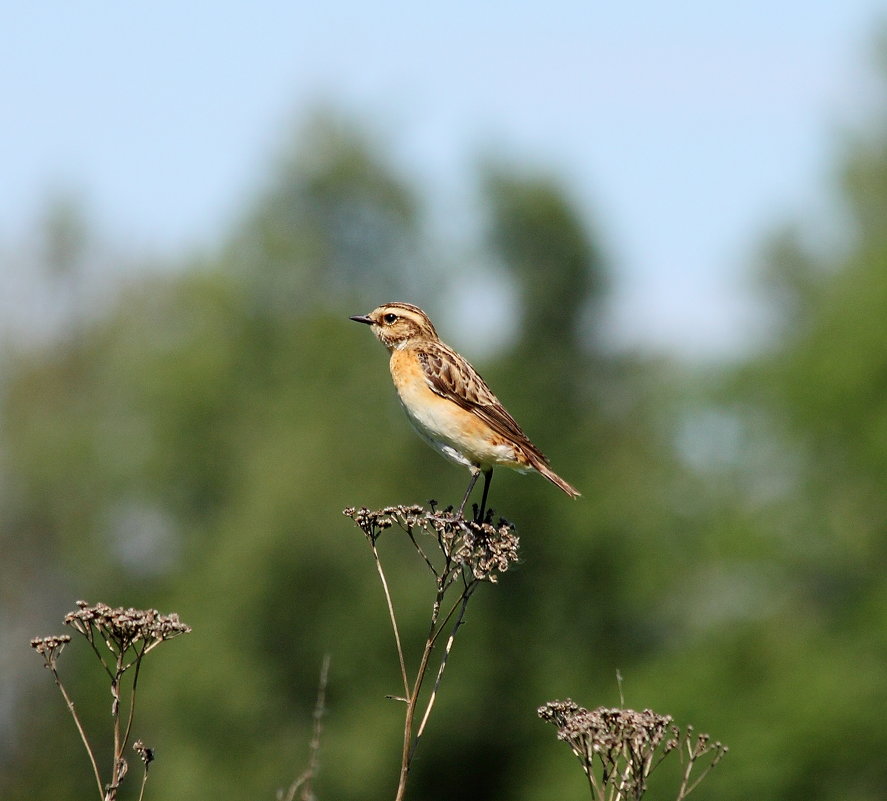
{"type": "Point", "coordinates": [190, 444]}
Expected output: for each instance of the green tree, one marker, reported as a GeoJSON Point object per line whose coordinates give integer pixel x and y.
{"type": "Point", "coordinates": [192, 446]}
{"type": "Point", "coordinates": [803, 485]}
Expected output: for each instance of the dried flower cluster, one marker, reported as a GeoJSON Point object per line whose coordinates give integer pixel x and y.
{"type": "Point", "coordinates": [484, 548]}
{"type": "Point", "coordinates": [145, 754]}
{"type": "Point", "coordinates": [121, 628]}
{"type": "Point", "coordinates": [607, 732]}
{"type": "Point", "coordinates": [50, 647]}
{"type": "Point", "coordinates": [619, 748]}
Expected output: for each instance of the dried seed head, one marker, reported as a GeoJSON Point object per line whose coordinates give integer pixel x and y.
{"type": "Point", "coordinates": [624, 745]}
{"type": "Point", "coordinates": [50, 647]}
{"type": "Point", "coordinates": [483, 548]}
{"type": "Point", "coordinates": [145, 754]}
{"type": "Point", "coordinates": [607, 729]}
{"type": "Point", "coordinates": [121, 628]}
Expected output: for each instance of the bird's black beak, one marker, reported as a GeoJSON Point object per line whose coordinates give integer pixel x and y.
{"type": "Point", "coordinates": [362, 318]}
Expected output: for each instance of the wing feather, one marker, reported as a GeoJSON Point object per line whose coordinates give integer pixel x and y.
{"type": "Point", "coordinates": [453, 378]}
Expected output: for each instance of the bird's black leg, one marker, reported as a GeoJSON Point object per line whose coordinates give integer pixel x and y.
{"type": "Point", "coordinates": [488, 477]}
{"type": "Point", "coordinates": [475, 472]}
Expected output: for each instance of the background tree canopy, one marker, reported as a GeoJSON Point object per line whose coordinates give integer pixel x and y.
{"type": "Point", "coordinates": [188, 441]}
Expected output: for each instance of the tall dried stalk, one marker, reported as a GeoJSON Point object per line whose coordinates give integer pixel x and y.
{"type": "Point", "coordinates": [459, 554]}
{"type": "Point", "coordinates": [120, 638]}
{"type": "Point", "coordinates": [304, 783]}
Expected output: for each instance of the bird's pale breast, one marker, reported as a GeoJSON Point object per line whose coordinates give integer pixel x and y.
{"type": "Point", "coordinates": [452, 430]}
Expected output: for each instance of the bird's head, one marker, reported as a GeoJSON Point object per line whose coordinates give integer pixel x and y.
{"type": "Point", "coordinates": [397, 324]}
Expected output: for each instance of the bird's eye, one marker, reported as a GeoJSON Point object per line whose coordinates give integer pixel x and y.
{"type": "Point", "coordinates": [389, 318]}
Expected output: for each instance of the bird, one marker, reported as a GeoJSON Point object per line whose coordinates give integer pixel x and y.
{"type": "Point", "coordinates": [450, 405]}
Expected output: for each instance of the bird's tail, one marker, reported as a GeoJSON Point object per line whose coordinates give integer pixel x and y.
{"type": "Point", "coordinates": [555, 479]}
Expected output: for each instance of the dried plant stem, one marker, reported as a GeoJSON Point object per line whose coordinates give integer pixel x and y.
{"type": "Point", "coordinates": [121, 737]}
{"type": "Point", "coordinates": [85, 740]}
{"type": "Point", "coordinates": [317, 731]}
{"type": "Point", "coordinates": [694, 751]}
{"type": "Point", "coordinates": [411, 741]}
{"type": "Point", "coordinates": [132, 698]}
{"type": "Point", "coordinates": [463, 603]}
{"type": "Point", "coordinates": [408, 749]}
{"type": "Point", "coordinates": [305, 781]}
{"type": "Point", "coordinates": [623, 786]}
{"type": "Point", "coordinates": [393, 618]}
{"type": "Point", "coordinates": [596, 790]}
{"type": "Point", "coordinates": [685, 780]}
{"type": "Point", "coordinates": [470, 552]}
{"type": "Point", "coordinates": [144, 782]}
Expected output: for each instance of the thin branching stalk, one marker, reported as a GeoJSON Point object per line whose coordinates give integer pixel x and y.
{"type": "Point", "coordinates": [142, 786]}
{"type": "Point", "coordinates": [147, 756]}
{"type": "Point", "coordinates": [304, 784]}
{"type": "Point", "coordinates": [80, 730]}
{"type": "Point", "coordinates": [468, 553]}
{"type": "Point", "coordinates": [132, 699]}
{"type": "Point", "coordinates": [127, 636]}
{"type": "Point", "coordinates": [463, 604]}
{"type": "Point", "coordinates": [393, 617]}
{"type": "Point", "coordinates": [409, 741]}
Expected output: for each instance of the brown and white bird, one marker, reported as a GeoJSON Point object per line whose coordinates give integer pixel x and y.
{"type": "Point", "coordinates": [449, 404]}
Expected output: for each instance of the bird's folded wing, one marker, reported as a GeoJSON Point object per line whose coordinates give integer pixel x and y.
{"type": "Point", "coordinates": [453, 378]}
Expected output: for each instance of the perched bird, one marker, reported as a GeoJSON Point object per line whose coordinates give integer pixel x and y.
{"type": "Point", "coordinates": [449, 404]}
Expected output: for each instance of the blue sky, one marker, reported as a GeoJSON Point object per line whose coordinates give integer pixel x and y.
{"type": "Point", "coordinates": [687, 130]}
